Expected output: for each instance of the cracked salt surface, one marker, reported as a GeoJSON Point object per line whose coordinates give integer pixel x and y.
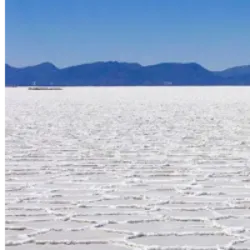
{"type": "Point", "coordinates": [128, 168]}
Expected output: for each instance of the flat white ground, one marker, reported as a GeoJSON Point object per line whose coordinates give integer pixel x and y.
{"type": "Point", "coordinates": [128, 168]}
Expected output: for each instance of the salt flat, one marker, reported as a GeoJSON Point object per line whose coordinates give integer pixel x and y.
{"type": "Point", "coordinates": [128, 168]}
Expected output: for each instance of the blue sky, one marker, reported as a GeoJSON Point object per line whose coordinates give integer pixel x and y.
{"type": "Point", "coordinates": [214, 33]}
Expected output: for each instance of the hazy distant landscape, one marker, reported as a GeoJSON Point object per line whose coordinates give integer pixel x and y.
{"type": "Point", "coordinates": [125, 74]}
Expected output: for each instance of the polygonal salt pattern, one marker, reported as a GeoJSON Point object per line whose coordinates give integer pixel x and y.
{"type": "Point", "coordinates": [128, 168]}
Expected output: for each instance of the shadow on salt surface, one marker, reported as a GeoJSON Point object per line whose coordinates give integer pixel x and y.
{"type": "Point", "coordinates": [67, 247]}
{"type": "Point", "coordinates": [187, 240]}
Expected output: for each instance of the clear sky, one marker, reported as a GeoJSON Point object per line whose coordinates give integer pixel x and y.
{"type": "Point", "coordinates": [214, 33]}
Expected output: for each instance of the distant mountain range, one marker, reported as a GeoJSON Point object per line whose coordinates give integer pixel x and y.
{"type": "Point", "coordinates": [125, 74]}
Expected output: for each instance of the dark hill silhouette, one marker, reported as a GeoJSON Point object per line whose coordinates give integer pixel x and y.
{"type": "Point", "coordinates": [235, 71]}
{"type": "Point", "coordinates": [125, 74]}
{"type": "Point", "coordinates": [178, 73]}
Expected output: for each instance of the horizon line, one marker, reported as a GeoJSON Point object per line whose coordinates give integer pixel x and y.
{"type": "Point", "coordinates": [116, 61]}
